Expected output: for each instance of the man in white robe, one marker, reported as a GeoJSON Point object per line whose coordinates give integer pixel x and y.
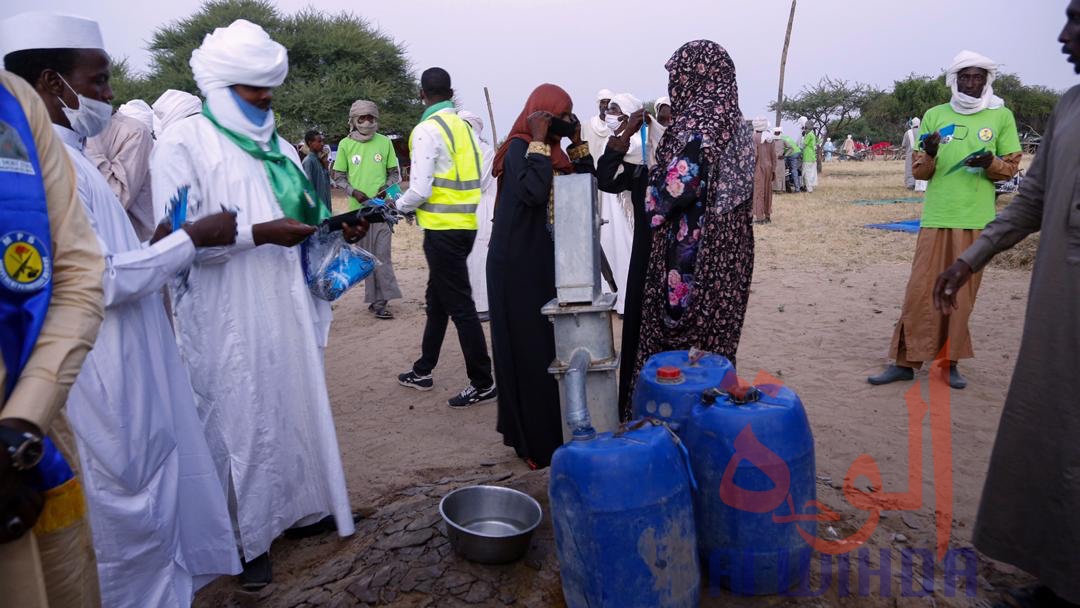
{"type": "Point", "coordinates": [172, 107]}
{"type": "Point", "coordinates": [249, 329]}
{"type": "Point", "coordinates": [485, 213]}
{"type": "Point", "coordinates": [617, 233]}
{"type": "Point", "coordinates": [122, 154]}
{"type": "Point", "coordinates": [911, 145]}
{"type": "Point", "coordinates": [159, 517]}
{"type": "Point", "coordinates": [595, 131]}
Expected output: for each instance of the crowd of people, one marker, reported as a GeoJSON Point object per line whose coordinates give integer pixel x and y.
{"type": "Point", "coordinates": [166, 415]}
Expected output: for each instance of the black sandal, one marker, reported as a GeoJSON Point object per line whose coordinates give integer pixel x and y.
{"type": "Point", "coordinates": [257, 573]}
{"type": "Point", "coordinates": [324, 525]}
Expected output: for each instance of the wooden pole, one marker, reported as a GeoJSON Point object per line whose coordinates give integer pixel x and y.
{"type": "Point", "coordinates": [491, 116]}
{"type": "Point", "coordinates": [783, 63]}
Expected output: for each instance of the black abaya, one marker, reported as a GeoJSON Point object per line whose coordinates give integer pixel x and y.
{"type": "Point", "coordinates": [521, 280]}
{"type": "Point", "coordinates": [634, 178]}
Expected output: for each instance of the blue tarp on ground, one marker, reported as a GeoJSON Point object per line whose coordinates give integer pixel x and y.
{"type": "Point", "coordinates": [904, 226]}
{"type": "Point", "coordinates": [888, 201]}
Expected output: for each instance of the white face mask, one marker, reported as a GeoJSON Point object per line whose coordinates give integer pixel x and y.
{"type": "Point", "coordinates": [90, 118]}
{"type": "Point", "coordinates": [613, 122]}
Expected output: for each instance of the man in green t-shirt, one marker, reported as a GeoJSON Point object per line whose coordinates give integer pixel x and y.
{"type": "Point", "coordinates": [793, 160]}
{"type": "Point", "coordinates": [967, 145]}
{"type": "Point", "coordinates": [365, 167]}
{"type": "Point", "coordinates": [809, 156]}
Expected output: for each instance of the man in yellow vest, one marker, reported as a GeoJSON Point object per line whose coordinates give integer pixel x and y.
{"type": "Point", "coordinates": [444, 191]}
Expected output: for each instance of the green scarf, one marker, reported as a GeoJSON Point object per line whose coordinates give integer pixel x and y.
{"type": "Point", "coordinates": [439, 107]}
{"type": "Point", "coordinates": [292, 189]}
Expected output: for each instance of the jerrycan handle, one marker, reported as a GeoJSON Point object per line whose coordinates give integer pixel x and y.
{"type": "Point", "coordinates": [738, 395]}
{"type": "Point", "coordinates": [627, 427]}
{"type": "Point", "coordinates": [695, 355]}
{"type": "Point", "coordinates": [686, 457]}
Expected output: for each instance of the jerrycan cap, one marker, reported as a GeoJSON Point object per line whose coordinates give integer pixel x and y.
{"type": "Point", "coordinates": [669, 374]}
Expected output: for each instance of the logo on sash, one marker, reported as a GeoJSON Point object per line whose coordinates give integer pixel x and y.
{"type": "Point", "coordinates": [986, 134]}
{"type": "Point", "coordinates": [13, 155]}
{"type": "Point", "coordinates": [25, 265]}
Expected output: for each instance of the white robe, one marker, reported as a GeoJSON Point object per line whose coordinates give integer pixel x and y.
{"type": "Point", "coordinates": [596, 133]}
{"type": "Point", "coordinates": [485, 213]}
{"type": "Point", "coordinates": [252, 334]}
{"type": "Point", "coordinates": [157, 510]}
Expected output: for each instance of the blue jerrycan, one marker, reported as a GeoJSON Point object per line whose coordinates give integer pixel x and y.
{"type": "Point", "coordinates": [752, 454]}
{"type": "Point", "coordinates": [622, 508]}
{"type": "Point", "coordinates": [672, 383]}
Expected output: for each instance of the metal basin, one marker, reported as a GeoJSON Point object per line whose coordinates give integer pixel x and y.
{"type": "Point", "coordinates": [489, 524]}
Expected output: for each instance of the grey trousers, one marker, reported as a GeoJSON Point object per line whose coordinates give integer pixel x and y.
{"type": "Point", "coordinates": [382, 285]}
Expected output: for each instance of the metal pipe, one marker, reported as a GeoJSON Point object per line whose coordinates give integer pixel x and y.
{"type": "Point", "coordinates": [577, 406]}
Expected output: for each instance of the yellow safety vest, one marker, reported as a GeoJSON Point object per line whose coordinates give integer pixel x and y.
{"type": "Point", "coordinates": [455, 194]}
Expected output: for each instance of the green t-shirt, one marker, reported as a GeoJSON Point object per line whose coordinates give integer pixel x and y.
{"type": "Point", "coordinates": [809, 153]}
{"type": "Point", "coordinates": [960, 198]}
{"type": "Point", "coordinates": [790, 149]}
{"type": "Point", "coordinates": [366, 164]}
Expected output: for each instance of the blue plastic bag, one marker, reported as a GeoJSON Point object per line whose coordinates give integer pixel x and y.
{"type": "Point", "coordinates": [332, 266]}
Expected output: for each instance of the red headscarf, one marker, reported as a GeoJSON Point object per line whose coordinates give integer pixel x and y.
{"type": "Point", "coordinates": [546, 98]}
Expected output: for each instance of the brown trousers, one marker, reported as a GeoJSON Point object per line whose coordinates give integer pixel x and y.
{"type": "Point", "coordinates": [922, 331]}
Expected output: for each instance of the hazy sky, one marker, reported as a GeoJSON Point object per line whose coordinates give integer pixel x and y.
{"type": "Point", "coordinates": [511, 46]}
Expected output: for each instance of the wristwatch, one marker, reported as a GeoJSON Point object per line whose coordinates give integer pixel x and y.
{"type": "Point", "coordinates": [25, 449]}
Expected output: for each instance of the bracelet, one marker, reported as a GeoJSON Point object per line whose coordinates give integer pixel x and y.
{"type": "Point", "coordinates": [579, 151]}
{"type": "Point", "coordinates": [539, 147]}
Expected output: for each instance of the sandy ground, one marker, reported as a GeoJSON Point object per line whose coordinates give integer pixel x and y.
{"type": "Point", "coordinates": [826, 294]}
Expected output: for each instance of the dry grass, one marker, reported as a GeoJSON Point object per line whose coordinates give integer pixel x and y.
{"type": "Point", "coordinates": [826, 229]}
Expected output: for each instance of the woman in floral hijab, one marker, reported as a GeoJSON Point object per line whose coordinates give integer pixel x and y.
{"type": "Point", "coordinates": [699, 204]}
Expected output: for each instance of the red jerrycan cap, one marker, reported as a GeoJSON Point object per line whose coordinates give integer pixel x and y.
{"type": "Point", "coordinates": [669, 374]}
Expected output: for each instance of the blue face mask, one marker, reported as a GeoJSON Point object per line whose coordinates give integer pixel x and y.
{"type": "Point", "coordinates": [256, 115]}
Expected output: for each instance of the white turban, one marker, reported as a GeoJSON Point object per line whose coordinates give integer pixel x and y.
{"type": "Point", "coordinates": [915, 122]}
{"type": "Point", "coordinates": [964, 104]}
{"type": "Point", "coordinates": [627, 103]}
{"type": "Point", "coordinates": [803, 120]}
{"type": "Point", "coordinates": [663, 101]}
{"type": "Point", "coordinates": [761, 125]}
{"type": "Point", "coordinates": [242, 53]}
{"type": "Point", "coordinates": [139, 110]}
{"type": "Point", "coordinates": [172, 106]}
{"type": "Point", "coordinates": [474, 121]}
{"type": "Point", "coordinates": [604, 94]}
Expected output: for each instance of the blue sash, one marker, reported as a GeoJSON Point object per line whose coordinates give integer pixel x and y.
{"type": "Point", "coordinates": [25, 290]}
{"type": "Point", "coordinates": [25, 241]}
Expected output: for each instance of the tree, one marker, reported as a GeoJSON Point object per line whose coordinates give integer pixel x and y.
{"type": "Point", "coordinates": [831, 103]}
{"type": "Point", "coordinates": [127, 86]}
{"type": "Point", "coordinates": [1031, 105]}
{"type": "Point", "coordinates": [884, 116]}
{"type": "Point", "coordinates": [333, 61]}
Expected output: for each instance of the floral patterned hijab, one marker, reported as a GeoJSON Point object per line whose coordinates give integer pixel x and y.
{"type": "Point", "coordinates": [705, 101]}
